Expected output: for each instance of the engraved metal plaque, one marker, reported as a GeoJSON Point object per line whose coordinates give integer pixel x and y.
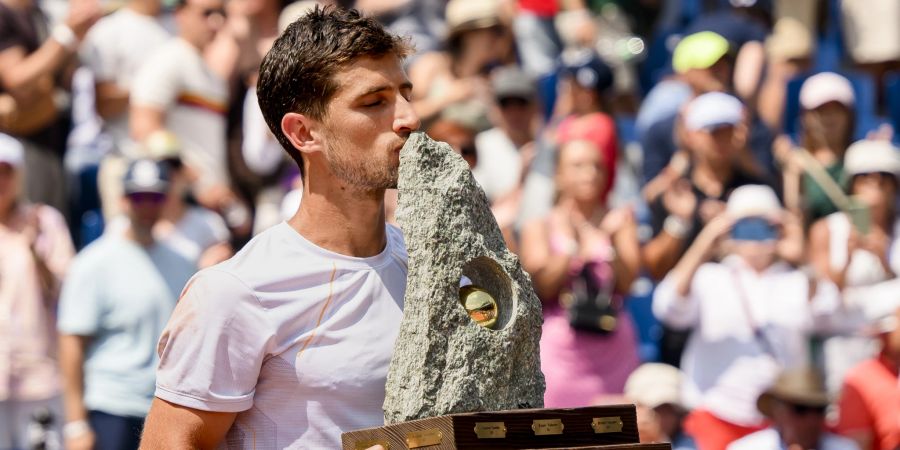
{"type": "Point", "coordinates": [607, 424]}
{"type": "Point", "coordinates": [424, 438]}
{"type": "Point", "coordinates": [544, 427]}
{"type": "Point", "coordinates": [490, 430]}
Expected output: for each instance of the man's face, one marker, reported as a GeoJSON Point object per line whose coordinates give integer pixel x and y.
{"type": "Point", "coordinates": [145, 208]}
{"type": "Point", "coordinates": [798, 424]}
{"type": "Point", "coordinates": [517, 113]}
{"type": "Point", "coordinates": [199, 20]}
{"type": "Point", "coordinates": [715, 145]}
{"type": "Point", "coordinates": [367, 123]}
{"type": "Point", "coordinates": [716, 78]}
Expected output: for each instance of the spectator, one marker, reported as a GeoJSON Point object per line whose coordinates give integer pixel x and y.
{"type": "Point", "coordinates": [30, 74]}
{"type": "Point", "coordinates": [581, 255]}
{"type": "Point", "coordinates": [477, 40]}
{"type": "Point", "coordinates": [752, 315]}
{"type": "Point", "coordinates": [859, 248]}
{"type": "Point", "coordinates": [684, 200]}
{"type": "Point", "coordinates": [657, 387]}
{"type": "Point", "coordinates": [116, 301]}
{"type": "Point", "coordinates": [175, 89]}
{"type": "Point", "coordinates": [113, 56]}
{"type": "Point", "coordinates": [828, 120]}
{"type": "Point", "coordinates": [499, 149]}
{"type": "Point", "coordinates": [704, 62]}
{"type": "Point", "coordinates": [36, 251]}
{"type": "Point", "coordinates": [194, 232]}
{"type": "Point", "coordinates": [870, 398]}
{"type": "Point", "coordinates": [796, 406]}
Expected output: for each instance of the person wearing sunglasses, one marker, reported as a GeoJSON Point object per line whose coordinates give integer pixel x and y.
{"type": "Point", "coordinates": [751, 314]}
{"type": "Point", "coordinates": [119, 294]}
{"type": "Point", "coordinates": [796, 405]}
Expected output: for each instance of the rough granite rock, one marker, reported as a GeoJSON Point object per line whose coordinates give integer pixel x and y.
{"type": "Point", "coordinates": [443, 361]}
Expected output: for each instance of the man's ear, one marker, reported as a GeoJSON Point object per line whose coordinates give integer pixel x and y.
{"type": "Point", "coordinates": [302, 131]}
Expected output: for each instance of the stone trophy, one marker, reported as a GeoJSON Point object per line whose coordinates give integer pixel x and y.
{"type": "Point", "coordinates": [466, 367]}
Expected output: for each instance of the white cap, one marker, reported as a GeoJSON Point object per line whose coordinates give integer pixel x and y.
{"type": "Point", "coordinates": [868, 156]}
{"type": "Point", "coordinates": [753, 200]}
{"type": "Point", "coordinates": [294, 11]}
{"type": "Point", "coordinates": [654, 384]}
{"type": "Point", "coordinates": [712, 110]}
{"type": "Point", "coordinates": [11, 151]}
{"type": "Point", "coordinates": [825, 87]}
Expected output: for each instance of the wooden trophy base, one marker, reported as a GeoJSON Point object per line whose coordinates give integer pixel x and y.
{"type": "Point", "coordinates": [612, 427]}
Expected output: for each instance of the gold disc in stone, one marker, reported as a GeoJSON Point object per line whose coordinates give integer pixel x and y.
{"type": "Point", "coordinates": [480, 305]}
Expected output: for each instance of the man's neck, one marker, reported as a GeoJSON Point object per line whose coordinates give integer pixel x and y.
{"type": "Point", "coordinates": [343, 221]}
{"type": "Point", "coordinates": [141, 235]}
{"type": "Point", "coordinates": [144, 8]}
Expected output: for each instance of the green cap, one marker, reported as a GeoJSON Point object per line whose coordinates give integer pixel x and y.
{"type": "Point", "coordinates": [699, 51]}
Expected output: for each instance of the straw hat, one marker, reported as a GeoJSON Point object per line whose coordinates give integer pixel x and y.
{"type": "Point", "coordinates": [801, 386]}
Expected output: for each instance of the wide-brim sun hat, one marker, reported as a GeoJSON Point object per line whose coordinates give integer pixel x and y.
{"type": "Point", "coordinates": [467, 15]}
{"type": "Point", "coordinates": [800, 386]}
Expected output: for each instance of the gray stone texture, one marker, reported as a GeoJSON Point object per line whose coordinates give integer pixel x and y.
{"type": "Point", "coordinates": [443, 361]}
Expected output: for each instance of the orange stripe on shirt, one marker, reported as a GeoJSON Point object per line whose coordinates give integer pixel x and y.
{"type": "Point", "coordinates": [321, 313]}
{"type": "Point", "coordinates": [199, 101]}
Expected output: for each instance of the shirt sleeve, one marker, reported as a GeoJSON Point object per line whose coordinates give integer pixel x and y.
{"type": "Point", "coordinates": [854, 414]}
{"type": "Point", "coordinates": [81, 304]}
{"type": "Point", "coordinates": [213, 347]}
{"type": "Point", "coordinates": [158, 82]}
{"type": "Point", "coordinates": [674, 310]}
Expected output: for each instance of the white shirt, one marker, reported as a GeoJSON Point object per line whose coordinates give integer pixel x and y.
{"type": "Point", "coordinates": [769, 439]}
{"type": "Point", "coordinates": [114, 53]}
{"type": "Point", "coordinates": [499, 163]}
{"type": "Point", "coordinates": [295, 338]}
{"type": "Point", "coordinates": [176, 80]}
{"type": "Point", "coordinates": [726, 365]}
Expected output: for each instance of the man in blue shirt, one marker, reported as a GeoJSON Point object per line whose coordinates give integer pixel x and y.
{"type": "Point", "coordinates": [115, 302]}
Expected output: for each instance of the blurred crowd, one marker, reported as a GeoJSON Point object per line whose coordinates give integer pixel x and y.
{"type": "Point", "coordinates": [705, 193]}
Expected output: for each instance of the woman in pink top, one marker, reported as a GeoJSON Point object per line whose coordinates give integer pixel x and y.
{"type": "Point", "coordinates": [35, 249]}
{"type": "Point", "coordinates": [582, 253]}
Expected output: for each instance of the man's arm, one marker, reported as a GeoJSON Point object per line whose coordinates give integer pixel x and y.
{"type": "Point", "coordinates": [78, 434]}
{"type": "Point", "coordinates": [174, 426]}
{"type": "Point", "coordinates": [112, 100]}
{"type": "Point", "coordinates": [145, 120]}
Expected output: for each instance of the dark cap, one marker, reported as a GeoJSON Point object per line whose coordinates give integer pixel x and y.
{"type": "Point", "coordinates": [146, 175]}
{"type": "Point", "coordinates": [587, 69]}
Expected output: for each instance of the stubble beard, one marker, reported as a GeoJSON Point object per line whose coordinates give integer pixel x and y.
{"type": "Point", "coordinates": [372, 175]}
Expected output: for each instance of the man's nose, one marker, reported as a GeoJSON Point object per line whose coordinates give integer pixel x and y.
{"type": "Point", "coordinates": [405, 120]}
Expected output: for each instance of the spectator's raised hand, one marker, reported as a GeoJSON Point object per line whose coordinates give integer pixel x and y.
{"type": "Point", "coordinates": [83, 14]}
{"type": "Point", "coordinates": [679, 199]}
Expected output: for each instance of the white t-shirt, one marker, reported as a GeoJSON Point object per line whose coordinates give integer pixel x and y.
{"type": "Point", "coordinates": [178, 81]}
{"type": "Point", "coordinates": [295, 338]}
{"type": "Point", "coordinates": [114, 53]}
{"type": "Point", "coordinates": [769, 439]}
{"type": "Point", "coordinates": [726, 365]}
{"type": "Point", "coordinates": [499, 163]}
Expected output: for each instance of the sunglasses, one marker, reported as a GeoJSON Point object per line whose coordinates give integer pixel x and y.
{"type": "Point", "coordinates": [513, 102]}
{"type": "Point", "coordinates": [147, 197]}
{"type": "Point", "coordinates": [468, 150]}
{"type": "Point", "coordinates": [207, 13]}
{"type": "Point", "coordinates": [802, 410]}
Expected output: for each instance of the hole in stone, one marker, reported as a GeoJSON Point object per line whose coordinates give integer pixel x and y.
{"type": "Point", "coordinates": [486, 293]}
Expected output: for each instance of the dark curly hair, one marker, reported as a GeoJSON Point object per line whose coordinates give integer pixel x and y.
{"type": "Point", "coordinates": [297, 75]}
